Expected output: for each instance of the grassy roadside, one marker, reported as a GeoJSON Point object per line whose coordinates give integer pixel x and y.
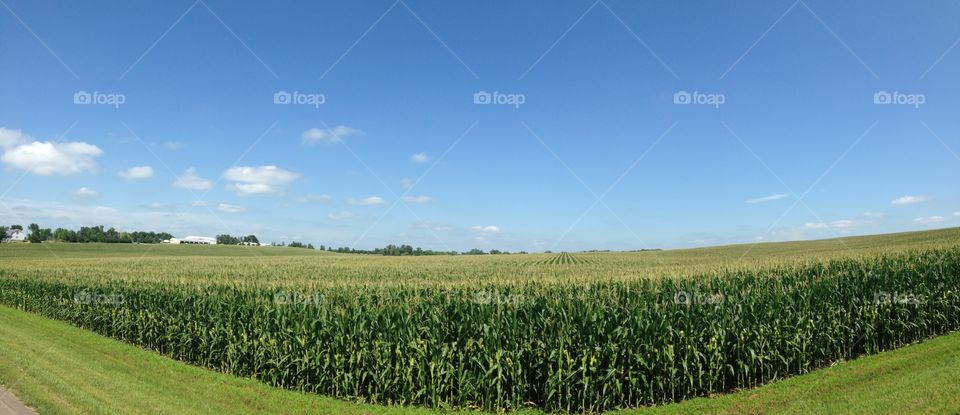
{"type": "Point", "coordinates": [917, 379]}
{"type": "Point", "coordinates": [59, 369]}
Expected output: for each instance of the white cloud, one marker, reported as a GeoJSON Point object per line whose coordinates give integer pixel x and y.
{"type": "Point", "coordinates": [406, 183]}
{"type": "Point", "coordinates": [198, 203]}
{"type": "Point", "coordinates": [431, 226]}
{"type": "Point", "coordinates": [770, 198]}
{"type": "Point", "coordinates": [370, 201]}
{"type": "Point", "coordinates": [872, 215]}
{"type": "Point", "coordinates": [191, 181]}
{"type": "Point", "coordinates": [842, 224]}
{"type": "Point", "coordinates": [314, 134]}
{"type": "Point", "coordinates": [338, 133]}
{"type": "Point", "coordinates": [419, 158]}
{"type": "Point", "coordinates": [137, 173]}
{"type": "Point", "coordinates": [486, 229]}
{"type": "Point", "coordinates": [85, 193]}
{"type": "Point", "coordinates": [173, 145]}
{"type": "Point", "coordinates": [10, 138]}
{"type": "Point", "coordinates": [908, 200]}
{"type": "Point", "coordinates": [246, 189]}
{"type": "Point", "coordinates": [956, 214]}
{"type": "Point", "coordinates": [258, 180]}
{"type": "Point", "coordinates": [417, 199]}
{"type": "Point", "coordinates": [169, 207]}
{"type": "Point", "coordinates": [46, 157]}
{"type": "Point", "coordinates": [325, 199]}
{"type": "Point", "coordinates": [343, 131]}
{"type": "Point", "coordinates": [340, 215]}
{"type": "Point", "coordinates": [223, 207]}
{"type": "Point", "coordinates": [928, 220]}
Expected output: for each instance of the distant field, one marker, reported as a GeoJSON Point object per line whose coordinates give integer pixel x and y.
{"type": "Point", "coordinates": [561, 332]}
{"type": "Point", "coordinates": [203, 265]}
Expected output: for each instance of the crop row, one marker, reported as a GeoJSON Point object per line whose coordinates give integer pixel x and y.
{"type": "Point", "coordinates": [564, 259]}
{"type": "Point", "coordinates": [561, 348]}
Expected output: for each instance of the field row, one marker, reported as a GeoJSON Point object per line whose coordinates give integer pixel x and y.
{"type": "Point", "coordinates": [306, 270]}
{"type": "Point", "coordinates": [563, 347]}
{"type": "Point", "coordinates": [565, 259]}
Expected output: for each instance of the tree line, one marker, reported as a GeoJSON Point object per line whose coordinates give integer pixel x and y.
{"type": "Point", "coordinates": [236, 240]}
{"type": "Point", "coordinates": [86, 234]}
{"type": "Point", "coordinates": [111, 235]}
{"type": "Point", "coordinates": [296, 244]}
{"type": "Point", "coordinates": [408, 250]}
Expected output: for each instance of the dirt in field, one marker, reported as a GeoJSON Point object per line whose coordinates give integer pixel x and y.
{"type": "Point", "coordinates": [10, 405]}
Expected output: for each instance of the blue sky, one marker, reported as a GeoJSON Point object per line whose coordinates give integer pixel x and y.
{"type": "Point", "coordinates": [786, 137]}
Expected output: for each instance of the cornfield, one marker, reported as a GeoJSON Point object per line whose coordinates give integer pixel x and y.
{"type": "Point", "coordinates": [559, 347]}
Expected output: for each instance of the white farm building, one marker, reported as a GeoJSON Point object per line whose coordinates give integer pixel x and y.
{"type": "Point", "coordinates": [201, 240]}
{"type": "Point", "coordinates": [15, 235]}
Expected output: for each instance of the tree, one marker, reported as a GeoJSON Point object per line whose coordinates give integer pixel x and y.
{"type": "Point", "coordinates": [112, 235]}
{"type": "Point", "coordinates": [91, 234]}
{"type": "Point", "coordinates": [296, 244]}
{"type": "Point", "coordinates": [34, 233]}
{"type": "Point", "coordinates": [3, 233]}
{"type": "Point", "coordinates": [38, 234]}
{"type": "Point", "coordinates": [16, 228]}
{"type": "Point", "coordinates": [64, 235]}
